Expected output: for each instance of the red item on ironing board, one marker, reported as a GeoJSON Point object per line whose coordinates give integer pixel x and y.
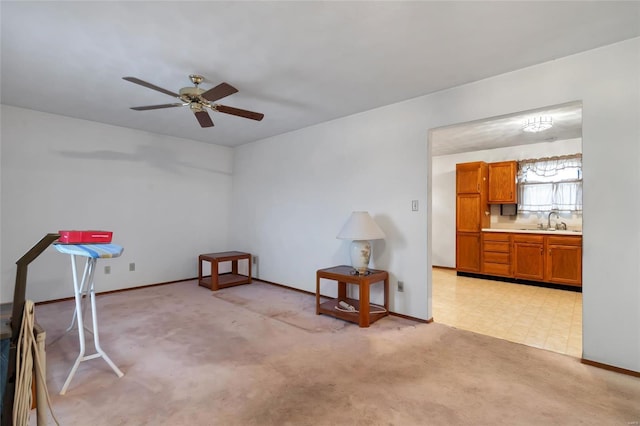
{"type": "Point", "coordinates": [85, 237]}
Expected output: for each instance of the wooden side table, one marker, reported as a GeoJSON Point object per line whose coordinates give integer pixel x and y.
{"type": "Point", "coordinates": [218, 281]}
{"type": "Point", "coordinates": [343, 275]}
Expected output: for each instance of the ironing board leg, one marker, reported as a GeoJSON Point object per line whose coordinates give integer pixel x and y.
{"type": "Point", "coordinates": [79, 289]}
{"type": "Point", "coordinates": [96, 337]}
{"type": "Point", "coordinates": [84, 290]}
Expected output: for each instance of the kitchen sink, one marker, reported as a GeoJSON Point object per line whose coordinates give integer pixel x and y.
{"type": "Point", "coordinates": [548, 230]}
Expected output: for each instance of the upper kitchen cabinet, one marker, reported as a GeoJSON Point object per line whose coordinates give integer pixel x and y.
{"type": "Point", "coordinates": [469, 213]}
{"type": "Point", "coordinates": [471, 178]}
{"type": "Point", "coordinates": [502, 182]}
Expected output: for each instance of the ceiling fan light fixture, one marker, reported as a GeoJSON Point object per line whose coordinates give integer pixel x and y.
{"type": "Point", "coordinates": [538, 124]}
{"type": "Point", "coordinates": [198, 100]}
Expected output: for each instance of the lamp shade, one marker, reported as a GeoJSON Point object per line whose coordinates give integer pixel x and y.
{"type": "Point", "coordinates": [360, 226]}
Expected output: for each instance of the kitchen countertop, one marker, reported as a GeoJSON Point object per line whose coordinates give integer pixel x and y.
{"type": "Point", "coordinates": [533, 231]}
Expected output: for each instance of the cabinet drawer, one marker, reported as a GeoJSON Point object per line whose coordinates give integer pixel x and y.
{"type": "Point", "coordinates": [495, 236]}
{"type": "Point", "coordinates": [493, 257]}
{"type": "Point", "coordinates": [496, 268]}
{"type": "Point", "coordinates": [495, 246]}
{"type": "Point", "coordinates": [531, 239]}
{"type": "Point", "coordinates": [565, 241]}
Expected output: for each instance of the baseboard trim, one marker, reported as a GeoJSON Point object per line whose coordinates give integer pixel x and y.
{"type": "Point", "coordinates": [430, 320]}
{"type": "Point", "coordinates": [65, 299]}
{"type": "Point", "coordinates": [423, 321]}
{"type": "Point", "coordinates": [284, 286]}
{"type": "Point", "coordinates": [610, 367]}
{"type": "Point", "coordinates": [566, 287]}
{"type": "Point", "coordinates": [451, 268]}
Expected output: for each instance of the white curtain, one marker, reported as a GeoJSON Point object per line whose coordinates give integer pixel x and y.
{"type": "Point", "coordinates": [550, 184]}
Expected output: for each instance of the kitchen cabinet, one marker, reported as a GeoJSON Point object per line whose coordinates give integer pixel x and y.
{"type": "Point", "coordinates": [468, 251]}
{"type": "Point", "coordinates": [528, 257]}
{"type": "Point", "coordinates": [472, 213]}
{"type": "Point", "coordinates": [496, 254]}
{"type": "Point", "coordinates": [540, 257]}
{"type": "Point", "coordinates": [502, 182]}
{"type": "Point", "coordinates": [471, 178]}
{"type": "Point", "coordinates": [564, 260]}
{"type": "Point", "coordinates": [469, 213]}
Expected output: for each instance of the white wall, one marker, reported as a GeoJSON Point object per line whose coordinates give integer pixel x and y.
{"type": "Point", "coordinates": [166, 199]}
{"type": "Point", "coordinates": [443, 194]}
{"type": "Point", "coordinates": [293, 192]}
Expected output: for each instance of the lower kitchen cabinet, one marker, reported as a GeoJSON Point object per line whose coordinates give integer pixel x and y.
{"type": "Point", "coordinates": [528, 257]}
{"type": "Point", "coordinates": [496, 254]}
{"type": "Point", "coordinates": [468, 251]}
{"type": "Point", "coordinates": [539, 257]}
{"type": "Point", "coordinates": [564, 260]}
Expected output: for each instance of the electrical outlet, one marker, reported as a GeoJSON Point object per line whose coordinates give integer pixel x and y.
{"type": "Point", "coordinates": [400, 286]}
{"type": "Point", "coordinates": [414, 205]}
{"type": "Point", "coordinates": [255, 260]}
{"type": "Point", "coordinates": [107, 269]}
{"type": "Point", "coordinates": [132, 266]}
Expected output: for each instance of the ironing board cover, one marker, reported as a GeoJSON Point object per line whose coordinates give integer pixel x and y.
{"type": "Point", "coordinates": [95, 251]}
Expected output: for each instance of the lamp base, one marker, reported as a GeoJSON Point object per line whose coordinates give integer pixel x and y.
{"type": "Point", "coordinates": [360, 255]}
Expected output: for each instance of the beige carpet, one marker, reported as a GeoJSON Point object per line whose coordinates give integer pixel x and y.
{"type": "Point", "coordinates": [259, 355]}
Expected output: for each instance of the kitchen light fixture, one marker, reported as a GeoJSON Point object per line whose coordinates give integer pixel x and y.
{"type": "Point", "coordinates": [538, 124]}
{"type": "Point", "coordinates": [360, 228]}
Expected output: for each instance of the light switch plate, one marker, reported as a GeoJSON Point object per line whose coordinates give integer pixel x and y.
{"type": "Point", "coordinates": [414, 205]}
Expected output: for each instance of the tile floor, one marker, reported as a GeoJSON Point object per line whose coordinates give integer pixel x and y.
{"type": "Point", "coordinates": [535, 316]}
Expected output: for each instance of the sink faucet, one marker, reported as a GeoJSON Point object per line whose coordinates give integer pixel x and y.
{"type": "Point", "coordinates": [549, 218]}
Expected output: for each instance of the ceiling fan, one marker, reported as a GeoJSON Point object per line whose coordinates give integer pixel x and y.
{"type": "Point", "coordinates": [198, 100]}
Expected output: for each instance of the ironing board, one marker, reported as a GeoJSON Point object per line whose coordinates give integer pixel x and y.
{"type": "Point", "coordinates": [92, 252]}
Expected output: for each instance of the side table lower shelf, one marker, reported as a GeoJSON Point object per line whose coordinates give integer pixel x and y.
{"type": "Point", "coordinates": [329, 308]}
{"type": "Point", "coordinates": [225, 280]}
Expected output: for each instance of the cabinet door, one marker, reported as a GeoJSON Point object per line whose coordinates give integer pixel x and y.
{"type": "Point", "coordinates": [468, 252]}
{"type": "Point", "coordinates": [469, 178]}
{"type": "Point", "coordinates": [528, 260]}
{"type": "Point", "coordinates": [564, 264]}
{"type": "Point", "coordinates": [502, 182]}
{"type": "Point", "coordinates": [468, 211]}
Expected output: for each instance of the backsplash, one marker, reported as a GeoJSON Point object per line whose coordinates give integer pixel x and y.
{"type": "Point", "coordinates": [532, 219]}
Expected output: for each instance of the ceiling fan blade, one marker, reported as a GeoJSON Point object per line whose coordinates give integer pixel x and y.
{"type": "Point", "coordinates": [239, 112]}
{"type": "Point", "coordinates": [204, 119]}
{"type": "Point", "coordinates": [148, 107]}
{"type": "Point", "coordinates": [219, 92]}
{"type": "Point", "coordinates": [151, 86]}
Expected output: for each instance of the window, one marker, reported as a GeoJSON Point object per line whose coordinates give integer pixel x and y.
{"type": "Point", "coordinates": [550, 184]}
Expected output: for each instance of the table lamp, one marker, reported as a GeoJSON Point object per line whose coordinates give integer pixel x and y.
{"type": "Point", "coordinates": [360, 228]}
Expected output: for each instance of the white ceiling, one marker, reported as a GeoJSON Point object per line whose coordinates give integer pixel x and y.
{"type": "Point", "coordinates": [299, 63]}
{"type": "Point", "coordinates": [503, 131]}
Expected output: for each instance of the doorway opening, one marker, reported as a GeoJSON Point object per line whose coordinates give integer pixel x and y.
{"type": "Point", "coordinates": [544, 317]}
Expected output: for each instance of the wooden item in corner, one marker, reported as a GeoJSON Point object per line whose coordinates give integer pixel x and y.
{"type": "Point", "coordinates": [218, 281]}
